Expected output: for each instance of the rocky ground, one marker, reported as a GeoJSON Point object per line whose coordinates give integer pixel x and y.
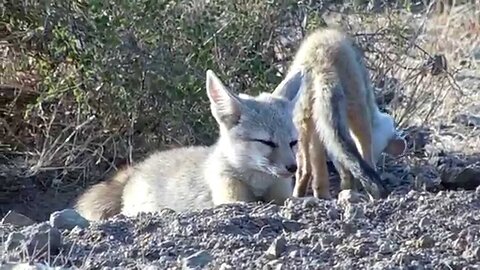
{"type": "Point", "coordinates": [408, 230]}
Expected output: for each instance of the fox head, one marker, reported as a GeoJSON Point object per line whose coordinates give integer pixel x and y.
{"type": "Point", "coordinates": [385, 138]}
{"type": "Point", "coordinates": [257, 132]}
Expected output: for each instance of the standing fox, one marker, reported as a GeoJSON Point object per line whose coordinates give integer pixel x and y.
{"type": "Point", "coordinates": [252, 160]}
{"type": "Point", "coordinates": [336, 112]}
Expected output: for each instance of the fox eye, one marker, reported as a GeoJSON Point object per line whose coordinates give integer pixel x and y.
{"type": "Point", "coordinates": [293, 143]}
{"type": "Point", "coordinates": [269, 143]}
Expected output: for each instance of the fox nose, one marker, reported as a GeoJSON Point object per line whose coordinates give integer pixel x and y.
{"type": "Point", "coordinates": [292, 168]}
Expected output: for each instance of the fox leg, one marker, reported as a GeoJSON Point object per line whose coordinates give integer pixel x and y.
{"type": "Point", "coordinates": [226, 190]}
{"type": "Point", "coordinates": [320, 182]}
{"type": "Point", "coordinates": [346, 178]}
{"type": "Point", "coordinates": [361, 133]}
{"type": "Point", "coordinates": [304, 171]}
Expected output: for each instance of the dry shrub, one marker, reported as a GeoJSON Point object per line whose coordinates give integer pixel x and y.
{"type": "Point", "coordinates": [114, 80]}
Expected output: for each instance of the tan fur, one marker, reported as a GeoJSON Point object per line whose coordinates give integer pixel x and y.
{"type": "Point", "coordinates": [336, 89]}
{"type": "Point", "coordinates": [252, 160]}
{"type": "Point", "coordinates": [104, 199]}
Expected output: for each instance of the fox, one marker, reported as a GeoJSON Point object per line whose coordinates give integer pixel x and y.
{"type": "Point", "coordinates": [336, 115]}
{"type": "Point", "coordinates": [102, 200]}
{"type": "Point", "coordinates": [253, 159]}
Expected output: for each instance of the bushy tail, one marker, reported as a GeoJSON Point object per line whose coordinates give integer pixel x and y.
{"type": "Point", "coordinates": [104, 199]}
{"type": "Point", "coordinates": [329, 112]}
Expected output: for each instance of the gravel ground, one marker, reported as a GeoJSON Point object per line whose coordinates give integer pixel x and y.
{"type": "Point", "coordinates": [408, 230]}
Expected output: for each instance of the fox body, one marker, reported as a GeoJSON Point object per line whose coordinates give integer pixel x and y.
{"type": "Point", "coordinates": [253, 160]}
{"type": "Point", "coordinates": [336, 114]}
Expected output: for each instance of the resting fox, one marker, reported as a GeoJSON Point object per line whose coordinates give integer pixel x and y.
{"type": "Point", "coordinates": [336, 113]}
{"type": "Point", "coordinates": [253, 160]}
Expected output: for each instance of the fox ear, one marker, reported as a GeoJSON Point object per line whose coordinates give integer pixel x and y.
{"type": "Point", "coordinates": [396, 147]}
{"type": "Point", "coordinates": [225, 105]}
{"type": "Point", "coordinates": [289, 88]}
{"type": "Point", "coordinates": [301, 88]}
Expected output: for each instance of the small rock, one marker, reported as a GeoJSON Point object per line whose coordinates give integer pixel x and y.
{"type": "Point", "coordinates": [16, 219]}
{"type": "Point", "coordinates": [470, 267]}
{"type": "Point", "coordinates": [317, 248]}
{"type": "Point", "coordinates": [425, 241]}
{"type": "Point", "coordinates": [467, 179]}
{"type": "Point", "coordinates": [304, 236]}
{"type": "Point", "coordinates": [348, 196]}
{"type": "Point", "coordinates": [150, 267]}
{"type": "Point", "coordinates": [290, 202]}
{"type": "Point", "coordinates": [166, 212]}
{"type": "Point", "coordinates": [477, 190]}
{"type": "Point", "coordinates": [468, 120]}
{"type": "Point", "coordinates": [293, 254]}
{"type": "Point", "coordinates": [273, 265]}
{"type": "Point", "coordinates": [380, 266]}
{"type": "Point", "coordinates": [348, 227]}
{"type": "Point", "coordinates": [333, 213]}
{"type": "Point", "coordinates": [28, 266]}
{"type": "Point", "coordinates": [412, 194]}
{"type": "Point", "coordinates": [402, 258]}
{"type": "Point", "coordinates": [197, 260]}
{"type": "Point", "coordinates": [361, 250]}
{"type": "Point", "coordinates": [362, 233]}
{"type": "Point", "coordinates": [424, 223]}
{"type": "Point", "coordinates": [472, 252]}
{"type": "Point", "coordinates": [463, 233]}
{"type": "Point", "coordinates": [167, 244]}
{"type": "Point", "coordinates": [453, 264]}
{"type": "Point", "coordinates": [416, 265]}
{"type": "Point", "coordinates": [277, 247]}
{"type": "Point", "coordinates": [225, 266]}
{"type": "Point", "coordinates": [326, 240]}
{"type": "Point", "coordinates": [353, 212]}
{"type": "Point", "coordinates": [40, 237]}
{"type": "Point", "coordinates": [43, 237]}
{"type": "Point", "coordinates": [67, 219]}
{"type": "Point", "coordinates": [77, 231]}
{"type": "Point", "coordinates": [476, 53]}
{"type": "Point", "coordinates": [308, 202]}
{"type": "Point", "coordinates": [391, 178]}
{"type": "Point", "coordinates": [14, 240]}
{"type": "Point", "coordinates": [385, 248]}
{"type": "Point", "coordinates": [291, 226]}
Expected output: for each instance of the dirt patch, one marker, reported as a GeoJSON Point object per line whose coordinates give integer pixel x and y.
{"type": "Point", "coordinates": [408, 229]}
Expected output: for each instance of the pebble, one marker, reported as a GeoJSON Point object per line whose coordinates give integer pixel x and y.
{"type": "Point", "coordinates": [425, 241]}
{"type": "Point", "coordinates": [35, 238]}
{"type": "Point", "coordinates": [67, 219]}
{"type": "Point", "coordinates": [277, 247]}
{"type": "Point", "coordinates": [424, 223]}
{"type": "Point", "coordinates": [385, 248]}
{"type": "Point", "coordinates": [197, 260]}
{"type": "Point", "coordinates": [333, 214]}
{"type": "Point", "coordinates": [348, 196]}
{"type": "Point", "coordinates": [472, 253]}
{"type": "Point", "coordinates": [353, 212]}
{"type": "Point", "coordinates": [326, 240]}
{"type": "Point", "coordinates": [14, 218]}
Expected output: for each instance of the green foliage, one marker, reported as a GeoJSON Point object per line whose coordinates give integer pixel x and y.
{"type": "Point", "coordinates": [142, 63]}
